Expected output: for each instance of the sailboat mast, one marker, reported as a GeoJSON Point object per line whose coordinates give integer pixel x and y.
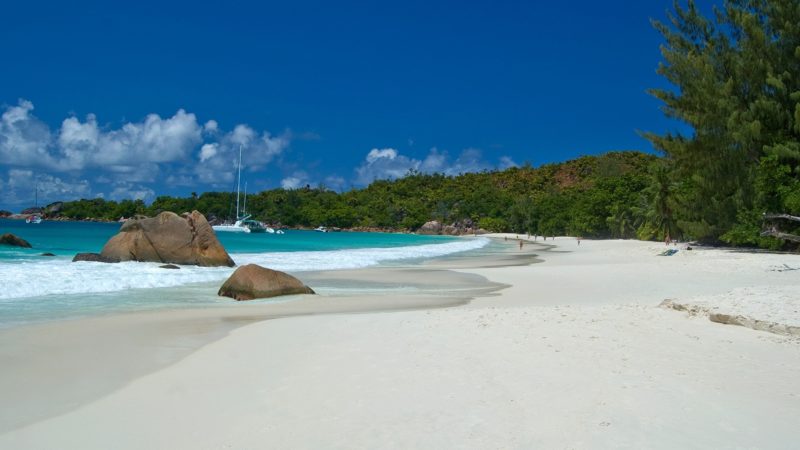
{"type": "Point", "coordinates": [238, 181]}
{"type": "Point", "coordinates": [244, 207]}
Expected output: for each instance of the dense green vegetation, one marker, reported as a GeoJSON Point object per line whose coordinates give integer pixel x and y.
{"type": "Point", "coordinates": [738, 87]}
{"type": "Point", "coordinates": [736, 81]}
{"type": "Point", "coordinates": [599, 196]}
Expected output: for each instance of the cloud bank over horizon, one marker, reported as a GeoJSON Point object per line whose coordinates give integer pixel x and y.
{"type": "Point", "coordinates": [389, 163]}
{"type": "Point", "coordinates": [82, 158]}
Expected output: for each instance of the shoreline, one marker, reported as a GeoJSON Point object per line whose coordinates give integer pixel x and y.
{"type": "Point", "coordinates": [155, 339]}
{"type": "Point", "coordinates": [20, 216]}
{"type": "Point", "coordinates": [570, 352]}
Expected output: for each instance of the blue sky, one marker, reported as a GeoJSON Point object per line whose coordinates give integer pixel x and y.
{"type": "Point", "coordinates": [132, 100]}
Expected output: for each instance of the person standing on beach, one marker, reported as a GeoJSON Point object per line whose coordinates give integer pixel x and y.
{"type": "Point", "coordinates": [520, 244]}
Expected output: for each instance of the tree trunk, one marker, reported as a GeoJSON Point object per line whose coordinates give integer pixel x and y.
{"type": "Point", "coordinates": [780, 235]}
{"type": "Point", "coordinates": [781, 216]}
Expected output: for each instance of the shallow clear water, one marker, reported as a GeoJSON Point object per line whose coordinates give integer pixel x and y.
{"type": "Point", "coordinates": [35, 287]}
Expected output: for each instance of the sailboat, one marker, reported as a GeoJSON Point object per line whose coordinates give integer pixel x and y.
{"type": "Point", "coordinates": [243, 223]}
{"type": "Point", "coordinates": [35, 218]}
{"type": "Point", "coordinates": [254, 225]}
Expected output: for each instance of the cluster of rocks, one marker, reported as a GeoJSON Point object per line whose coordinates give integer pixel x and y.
{"type": "Point", "coordinates": [188, 239]}
{"type": "Point", "coordinates": [454, 229]}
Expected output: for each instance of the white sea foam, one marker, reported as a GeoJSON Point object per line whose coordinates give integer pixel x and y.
{"type": "Point", "coordinates": [59, 276]}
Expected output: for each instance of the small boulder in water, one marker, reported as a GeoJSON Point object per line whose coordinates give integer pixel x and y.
{"type": "Point", "coordinates": [93, 257]}
{"type": "Point", "coordinates": [169, 266]}
{"type": "Point", "coordinates": [47, 254]}
{"type": "Point", "coordinates": [16, 241]}
{"type": "Point", "coordinates": [253, 281]}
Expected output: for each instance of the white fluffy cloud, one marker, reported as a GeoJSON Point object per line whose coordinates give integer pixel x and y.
{"type": "Point", "coordinates": [136, 152]}
{"type": "Point", "coordinates": [208, 151]}
{"type": "Point", "coordinates": [154, 140]}
{"type": "Point", "coordinates": [388, 163]}
{"type": "Point", "coordinates": [24, 139]}
{"type": "Point", "coordinates": [384, 163]}
{"type": "Point", "coordinates": [211, 126]}
{"type": "Point", "coordinates": [218, 159]}
{"type": "Point", "coordinates": [335, 182]}
{"type": "Point", "coordinates": [297, 180]}
{"type": "Point", "coordinates": [123, 191]}
{"type": "Point", "coordinates": [24, 186]}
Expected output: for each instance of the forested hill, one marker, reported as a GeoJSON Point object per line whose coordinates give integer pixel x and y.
{"type": "Point", "coordinates": [592, 196]}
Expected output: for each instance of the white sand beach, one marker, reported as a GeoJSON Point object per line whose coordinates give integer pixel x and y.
{"type": "Point", "coordinates": [571, 352]}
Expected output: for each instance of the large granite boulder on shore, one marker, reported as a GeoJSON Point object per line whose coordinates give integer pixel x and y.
{"type": "Point", "coordinates": [253, 281]}
{"type": "Point", "coordinates": [4, 213]}
{"type": "Point", "coordinates": [432, 227]}
{"type": "Point", "coordinates": [450, 230]}
{"type": "Point", "coordinates": [14, 240]}
{"type": "Point", "coordinates": [168, 238]}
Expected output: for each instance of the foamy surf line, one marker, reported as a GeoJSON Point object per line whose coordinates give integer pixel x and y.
{"type": "Point", "coordinates": [34, 278]}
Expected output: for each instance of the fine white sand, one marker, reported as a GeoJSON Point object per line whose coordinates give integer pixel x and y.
{"type": "Point", "coordinates": [574, 353]}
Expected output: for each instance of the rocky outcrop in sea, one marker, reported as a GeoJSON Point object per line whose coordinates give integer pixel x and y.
{"type": "Point", "coordinates": [168, 238]}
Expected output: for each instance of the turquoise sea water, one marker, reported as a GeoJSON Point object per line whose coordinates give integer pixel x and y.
{"type": "Point", "coordinates": [35, 287]}
{"type": "Point", "coordinates": [68, 238]}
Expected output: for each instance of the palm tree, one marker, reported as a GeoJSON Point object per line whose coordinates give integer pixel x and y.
{"type": "Point", "coordinates": [660, 198]}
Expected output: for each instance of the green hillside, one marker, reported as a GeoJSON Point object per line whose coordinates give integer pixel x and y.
{"type": "Point", "coordinates": [592, 196]}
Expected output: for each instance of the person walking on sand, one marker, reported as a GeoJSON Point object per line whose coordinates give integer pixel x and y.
{"type": "Point", "coordinates": [520, 244]}
{"type": "Point", "coordinates": [579, 241]}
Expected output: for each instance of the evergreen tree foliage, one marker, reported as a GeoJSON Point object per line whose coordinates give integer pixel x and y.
{"type": "Point", "coordinates": [737, 80]}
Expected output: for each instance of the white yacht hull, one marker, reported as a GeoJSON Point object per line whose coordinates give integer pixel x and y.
{"type": "Point", "coordinates": [231, 228]}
